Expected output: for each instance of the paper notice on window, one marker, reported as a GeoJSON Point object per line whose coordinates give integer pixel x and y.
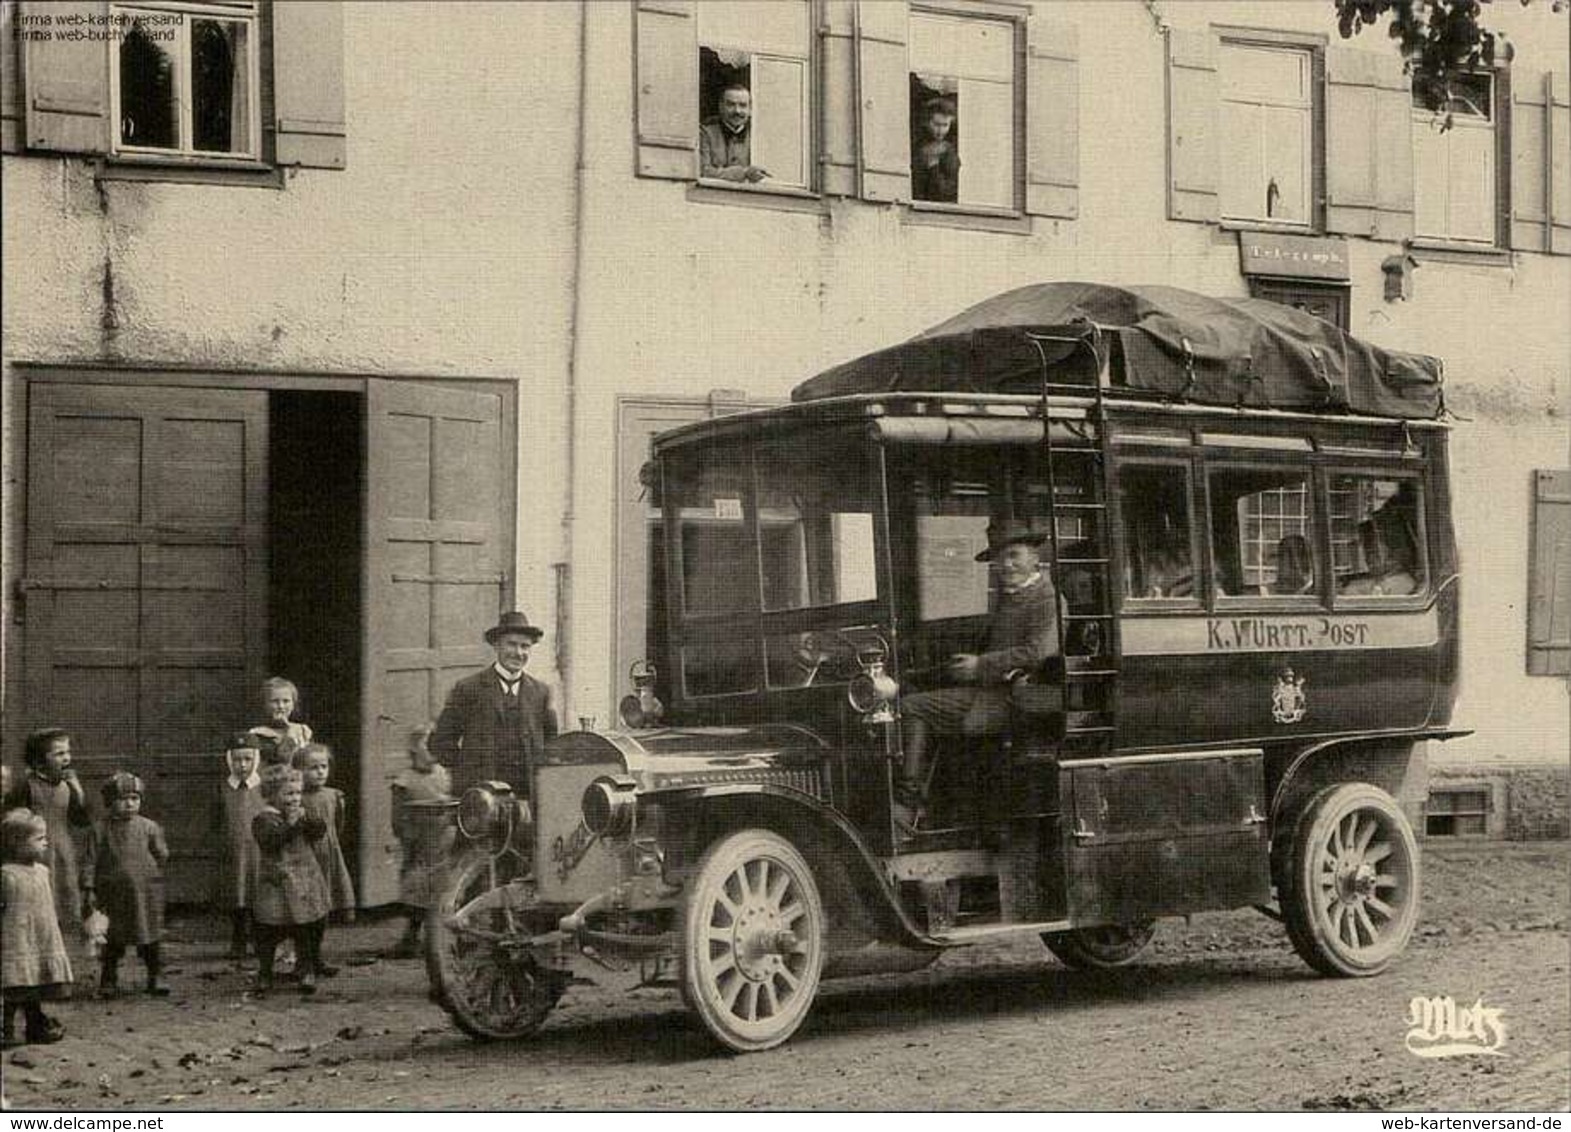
{"type": "Point", "coordinates": [779, 120]}
{"type": "Point", "coordinates": [950, 582]}
{"type": "Point", "coordinates": [728, 509]}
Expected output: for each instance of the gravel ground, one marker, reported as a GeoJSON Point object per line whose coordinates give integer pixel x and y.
{"type": "Point", "coordinates": [1218, 1014]}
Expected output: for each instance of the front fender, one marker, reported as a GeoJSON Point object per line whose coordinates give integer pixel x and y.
{"type": "Point", "coordinates": [864, 907]}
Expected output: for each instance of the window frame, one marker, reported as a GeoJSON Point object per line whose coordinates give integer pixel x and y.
{"type": "Point", "coordinates": [1419, 598]}
{"type": "Point", "coordinates": [812, 112]}
{"type": "Point", "coordinates": [1314, 46]}
{"type": "Point", "coordinates": [1455, 791]}
{"type": "Point", "coordinates": [1224, 460]}
{"type": "Point", "coordinates": [1500, 204]}
{"type": "Point", "coordinates": [959, 212]}
{"type": "Point", "coordinates": [252, 16]}
{"type": "Point", "coordinates": [1195, 500]}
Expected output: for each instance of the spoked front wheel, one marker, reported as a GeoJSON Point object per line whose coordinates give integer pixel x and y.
{"type": "Point", "coordinates": [487, 984]}
{"type": "Point", "coordinates": [752, 945]}
{"type": "Point", "coordinates": [1351, 896]}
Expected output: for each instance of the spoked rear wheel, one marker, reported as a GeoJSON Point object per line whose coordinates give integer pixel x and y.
{"type": "Point", "coordinates": [1351, 896]}
{"type": "Point", "coordinates": [1112, 945]}
{"type": "Point", "coordinates": [490, 989]}
{"type": "Point", "coordinates": [752, 946]}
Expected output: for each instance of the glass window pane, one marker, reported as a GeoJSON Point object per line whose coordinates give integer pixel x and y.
{"type": "Point", "coordinates": [718, 668]}
{"type": "Point", "coordinates": [1262, 535]}
{"type": "Point", "coordinates": [1429, 178]}
{"type": "Point", "coordinates": [962, 48]}
{"type": "Point", "coordinates": [1264, 74]}
{"type": "Point", "coordinates": [149, 87]}
{"type": "Point", "coordinates": [220, 86]}
{"type": "Point", "coordinates": [780, 118]}
{"type": "Point", "coordinates": [815, 525]}
{"type": "Point", "coordinates": [779, 27]}
{"type": "Point", "coordinates": [1158, 545]}
{"type": "Point", "coordinates": [1285, 138]}
{"type": "Point", "coordinates": [1377, 536]}
{"type": "Point", "coordinates": [1472, 182]}
{"type": "Point", "coordinates": [706, 499]}
{"type": "Point", "coordinates": [1244, 184]}
{"type": "Point", "coordinates": [987, 143]}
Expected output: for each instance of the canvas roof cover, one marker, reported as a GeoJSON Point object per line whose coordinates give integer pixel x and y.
{"type": "Point", "coordinates": [1164, 342]}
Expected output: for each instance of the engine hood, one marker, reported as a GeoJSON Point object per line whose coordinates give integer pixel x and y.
{"type": "Point", "coordinates": [674, 758]}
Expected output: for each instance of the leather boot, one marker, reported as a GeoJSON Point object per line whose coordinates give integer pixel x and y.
{"type": "Point", "coordinates": [155, 971]}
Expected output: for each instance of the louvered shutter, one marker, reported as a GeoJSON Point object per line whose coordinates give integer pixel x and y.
{"type": "Point", "coordinates": [66, 83]}
{"type": "Point", "coordinates": [667, 36]}
{"type": "Point", "coordinates": [883, 88]}
{"type": "Point", "coordinates": [10, 80]}
{"type": "Point", "coordinates": [837, 164]}
{"type": "Point", "coordinates": [1052, 117]}
{"type": "Point", "coordinates": [1193, 126]}
{"type": "Point", "coordinates": [1369, 144]}
{"type": "Point", "coordinates": [1549, 602]}
{"type": "Point", "coordinates": [308, 85]}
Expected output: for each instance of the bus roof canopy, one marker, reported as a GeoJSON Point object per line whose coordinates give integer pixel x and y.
{"type": "Point", "coordinates": [1160, 342]}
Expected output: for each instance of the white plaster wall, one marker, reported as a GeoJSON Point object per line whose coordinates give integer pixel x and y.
{"type": "Point", "coordinates": [681, 297]}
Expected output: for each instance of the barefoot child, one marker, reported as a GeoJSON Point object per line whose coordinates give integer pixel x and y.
{"type": "Point", "coordinates": [315, 764]}
{"type": "Point", "coordinates": [281, 736]}
{"type": "Point", "coordinates": [123, 876]}
{"type": "Point", "coordinates": [240, 800]}
{"type": "Point", "coordinates": [424, 838]}
{"type": "Point", "coordinates": [51, 791]}
{"type": "Point", "coordinates": [291, 893]}
{"type": "Point", "coordinates": [34, 967]}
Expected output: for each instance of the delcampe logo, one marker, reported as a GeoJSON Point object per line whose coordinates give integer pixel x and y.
{"type": "Point", "coordinates": [1438, 1027]}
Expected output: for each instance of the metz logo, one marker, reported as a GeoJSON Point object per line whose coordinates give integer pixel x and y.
{"type": "Point", "coordinates": [1437, 1027]}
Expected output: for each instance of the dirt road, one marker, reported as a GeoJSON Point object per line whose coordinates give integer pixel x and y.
{"type": "Point", "coordinates": [1219, 1014]}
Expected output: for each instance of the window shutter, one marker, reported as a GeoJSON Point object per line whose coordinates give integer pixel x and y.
{"type": "Point", "coordinates": [1052, 118]}
{"type": "Point", "coordinates": [66, 85]}
{"type": "Point", "coordinates": [1549, 600]}
{"type": "Point", "coordinates": [1369, 144]}
{"type": "Point", "coordinates": [883, 91]}
{"type": "Point", "coordinates": [1193, 126]}
{"type": "Point", "coordinates": [667, 35]}
{"type": "Point", "coordinates": [10, 86]}
{"type": "Point", "coordinates": [1559, 164]}
{"type": "Point", "coordinates": [837, 82]}
{"type": "Point", "coordinates": [1531, 169]}
{"type": "Point", "coordinates": [308, 84]}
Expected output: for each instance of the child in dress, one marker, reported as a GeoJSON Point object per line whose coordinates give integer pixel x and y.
{"type": "Point", "coordinates": [424, 838]}
{"type": "Point", "coordinates": [51, 791]}
{"type": "Point", "coordinates": [123, 875]}
{"type": "Point", "coordinates": [281, 736]}
{"type": "Point", "coordinates": [315, 764]}
{"type": "Point", "coordinates": [291, 893]}
{"type": "Point", "coordinates": [34, 966]}
{"type": "Point", "coordinates": [240, 800]}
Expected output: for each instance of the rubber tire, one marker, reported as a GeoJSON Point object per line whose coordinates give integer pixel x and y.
{"type": "Point", "coordinates": [700, 983]}
{"type": "Point", "coordinates": [1313, 935]}
{"type": "Point", "coordinates": [537, 990]}
{"type": "Point", "coordinates": [1082, 950]}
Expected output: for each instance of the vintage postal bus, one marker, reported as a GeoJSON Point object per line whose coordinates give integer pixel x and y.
{"type": "Point", "coordinates": [1245, 515]}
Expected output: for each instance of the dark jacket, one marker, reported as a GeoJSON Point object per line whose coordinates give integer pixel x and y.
{"type": "Point", "coordinates": [1023, 632]}
{"type": "Point", "coordinates": [477, 741]}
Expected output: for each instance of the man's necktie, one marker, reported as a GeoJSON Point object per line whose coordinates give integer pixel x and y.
{"type": "Point", "coordinates": [510, 687]}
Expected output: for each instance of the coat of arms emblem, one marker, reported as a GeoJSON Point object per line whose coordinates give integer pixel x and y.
{"type": "Point", "coordinates": [1288, 704]}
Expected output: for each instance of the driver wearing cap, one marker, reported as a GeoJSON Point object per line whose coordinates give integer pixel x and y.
{"type": "Point", "coordinates": [1023, 633]}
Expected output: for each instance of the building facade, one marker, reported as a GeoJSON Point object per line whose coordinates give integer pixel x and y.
{"type": "Point", "coordinates": [329, 329]}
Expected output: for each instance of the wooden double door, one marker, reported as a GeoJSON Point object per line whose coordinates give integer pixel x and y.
{"type": "Point", "coordinates": [151, 607]}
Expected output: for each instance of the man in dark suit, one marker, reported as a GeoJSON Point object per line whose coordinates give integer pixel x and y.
{"type": "Point", "coordinates": [495, 722]}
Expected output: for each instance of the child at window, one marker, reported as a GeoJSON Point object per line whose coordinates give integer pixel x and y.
{"type": "Point", "coordinates": [935, 159]}
{"type": "Point", "coordinates": [240, 801]}
{"type": "Point", "coordinates": [315, 764]}
{"type": "Point", "coordinates": [124, 877]}
{"type": "Point", "coordinates": [51, 790]}
{"type": "Point", "coordinates": [424, 836]}
{"type": "Point", "coordinates": [281, 736]}
{"type": "Point", "coordinates": [34, 966]}
{"type": "Point", "coordinates": [291, 893]}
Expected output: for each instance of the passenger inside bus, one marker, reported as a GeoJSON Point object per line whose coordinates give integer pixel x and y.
{"type": "Point", "coordinates": [1390, 570]}
{"type": "Point", "coordinates": [1295, 567]}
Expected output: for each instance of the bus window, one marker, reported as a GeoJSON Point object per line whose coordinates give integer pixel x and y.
{"type": "Point", "coordinates": [1376, 536]}
{"type": "Point", "coordinates": [953, 495]}
{"type": "Point", "coordinates": [1158, 544]}
{"type": "Point", "coordinates": [815, 524]}
{"type": "Point", "coordinates": [1262, 532]}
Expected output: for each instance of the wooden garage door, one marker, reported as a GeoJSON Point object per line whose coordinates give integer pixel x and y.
{"type": "Point", "coordinates": [437, 494]}
{"type": "Point", "coordinates": [145, 589]}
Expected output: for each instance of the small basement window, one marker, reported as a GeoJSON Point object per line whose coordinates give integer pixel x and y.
{"type": "Point", "coordinates": [1458, 813]}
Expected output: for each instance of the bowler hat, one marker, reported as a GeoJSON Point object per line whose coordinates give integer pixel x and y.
{"type": "Point", "coordinates": [513, 621]}
{"type": "Point", "coordinates": [1000, 535]}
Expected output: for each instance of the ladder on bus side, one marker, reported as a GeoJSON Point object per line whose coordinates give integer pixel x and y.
{"type": "Point", "coordinates": [1088, 637]}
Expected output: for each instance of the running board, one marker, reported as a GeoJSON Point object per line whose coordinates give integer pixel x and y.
{"type": "Point", "coordinates": [977, 932]}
